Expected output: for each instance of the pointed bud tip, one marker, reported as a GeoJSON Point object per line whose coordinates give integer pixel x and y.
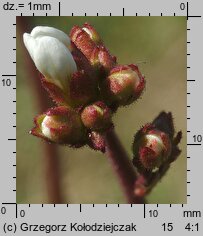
{"type": "Point", "coordinates": [90, 30]}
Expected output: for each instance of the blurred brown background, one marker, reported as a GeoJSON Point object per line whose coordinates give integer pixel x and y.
{"type": "Point", "coordinates": [158, 46]}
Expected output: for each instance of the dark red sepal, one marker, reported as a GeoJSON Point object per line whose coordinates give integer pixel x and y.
{"type": "Point", "coordinates": [96, 141]}
{"type": "Point", "coordinates": [82, 41]}
{"type": "Point", "coordinates": [56, 93]}
{"type": "Point", "coordinates": [83, 89]}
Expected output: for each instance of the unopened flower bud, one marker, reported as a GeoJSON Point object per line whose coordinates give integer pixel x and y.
{"type": "Point", "coordinates": [48, 48]}
{"type": "Point", "coordinates": [155, 145]}
{"type": "Point", "coordinates": [60, 125]}
{"type": "Point", "coordinates": [123, 85]}
{"type": "Point", "coordinates": [82, 41]}
{"type": "Point", "coordinates": [87, 41]}
{"type": "Point", "coordinates": [96, 116]}
{"type": "Point", "coordinates": [152, 148]}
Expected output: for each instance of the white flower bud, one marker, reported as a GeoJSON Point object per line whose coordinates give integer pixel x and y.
{"type": "Point", "coordinates": [48, 49]}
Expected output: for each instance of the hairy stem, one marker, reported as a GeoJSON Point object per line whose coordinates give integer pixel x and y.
{"type": "Point", "coordinates": [147, 181]}
{"type": "Point", "coordinates": [122, 166]}
{"type": "Point", "coordinates": [51, 155]}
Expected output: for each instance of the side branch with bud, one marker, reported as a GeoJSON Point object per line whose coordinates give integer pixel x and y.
{"type": "Point", "coordinates": [154, 149]}
{"type": "Point", "coordinates": [88, 86]}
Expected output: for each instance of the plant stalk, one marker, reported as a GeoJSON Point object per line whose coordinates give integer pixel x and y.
{"type": "Point", "coordinates": [51, 155]}
{"type": "Point", "coordinates": [122, 166]}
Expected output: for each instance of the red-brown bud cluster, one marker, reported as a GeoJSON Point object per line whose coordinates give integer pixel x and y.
{"type": "Point", "coordinates": [88, 86]}
{"type": "Point", "coordinates": [90, 94]}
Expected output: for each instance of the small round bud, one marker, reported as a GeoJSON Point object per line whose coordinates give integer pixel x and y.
{"type": "Point", "coordinates": [96, 116]}
{"type": "Point", "coordinates": [124, 85]}
{"type": "Point", "coordinates": [151, 147]}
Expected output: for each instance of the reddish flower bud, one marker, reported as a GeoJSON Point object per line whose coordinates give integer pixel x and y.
{"type": "Point", "coordinates": [88, 42]}
{"type": "Point", "coordinates": [152, 148]}
{"type": "Point", "coordinates": [124, 85]}
{"type": "Point", "coordinates": [154, 144]}
{"type": "Point", "coordinates": [96, 116]}
{"type": "Point", "coordinates": [60, 125]}
{"type": "Point", "coordinates": [82, 41]}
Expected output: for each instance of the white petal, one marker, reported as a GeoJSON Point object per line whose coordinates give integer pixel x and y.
{"type": "Point", "coordinates": [51, 57]}
{"type": "Point", "coordinates": [45, 130]}
{"type": "Point", "coordinates": [40, 31]}
{"type": "Point", "coordinates": [30, 44]}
